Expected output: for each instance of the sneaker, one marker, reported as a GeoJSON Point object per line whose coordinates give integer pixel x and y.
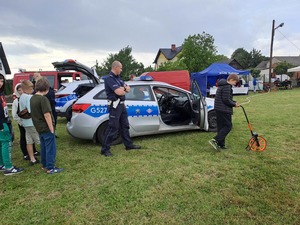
{"type": "Point", "coordinates": [214, 144]}
{"type": "Point", "coordinates": [133, 147]}
{"type": "Point", "coordinates": [13, 171]}
{"type": "Point", "coordinates": [31, 163]}
{"type": "Point", "coordinates": [54, 170]}
{"type": "Point", "coordinates": [26, 157]}
{"type": "Point", "coordinates": [36, 153]}
{"type": "Point", "coordinates": [2, 168]}
{"type": "Point", "coordinates": [107, 154]}
{"type": "Point", "coordinates": [223, 148]}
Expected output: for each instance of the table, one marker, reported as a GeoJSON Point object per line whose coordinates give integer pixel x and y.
{"type": "Point", "coordinates": [236, 90]}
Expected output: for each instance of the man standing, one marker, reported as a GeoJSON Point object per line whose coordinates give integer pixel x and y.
{"type": "Point", "coordinates": [254, 84]}
{"type": "Point", "coordinates": [118, 118]}
{"type": "Point", "coordinates": [223, 106]}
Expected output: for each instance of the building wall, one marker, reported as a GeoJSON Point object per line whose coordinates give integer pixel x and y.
{"type": "Point", "coordinates": [162, 59]}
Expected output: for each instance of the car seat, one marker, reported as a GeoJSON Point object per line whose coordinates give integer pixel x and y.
{"type": "Point", "coordinates": [139, 94]}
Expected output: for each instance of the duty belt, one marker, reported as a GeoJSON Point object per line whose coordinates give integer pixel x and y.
{"type": "Point", "coordinates": [109, 102]}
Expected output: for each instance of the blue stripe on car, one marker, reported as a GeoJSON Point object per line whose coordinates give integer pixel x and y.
{"type": "Point", "coordinates": [133, 110]}
{"type": "Point", "coordinates": [62, 101]}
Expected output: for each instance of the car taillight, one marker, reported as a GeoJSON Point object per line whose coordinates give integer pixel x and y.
{"type": "Point", "coordinates": [61, 96]}
{"type": "Point", "coordinates": [79, 108]}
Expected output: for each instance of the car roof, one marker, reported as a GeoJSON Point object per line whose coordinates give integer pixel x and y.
{"type": "Point", "coordinates": [154, 83]}
{"type": "Point", "coordinates": [70, 87]}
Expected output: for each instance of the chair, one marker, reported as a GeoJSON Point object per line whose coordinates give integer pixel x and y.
{"type": "Point", "coordinates": [139, 94]}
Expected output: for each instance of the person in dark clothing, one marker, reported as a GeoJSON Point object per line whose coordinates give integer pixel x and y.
{"type": "Point", "coordinates": [223, 106]}
{"type": "Point", "coordinates": [50, 95]}
{"type": "Point", "coordinates": [116, 89]}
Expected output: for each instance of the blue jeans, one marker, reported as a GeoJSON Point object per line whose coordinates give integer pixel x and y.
{"type": "Point", "coordinates": [48, 150]}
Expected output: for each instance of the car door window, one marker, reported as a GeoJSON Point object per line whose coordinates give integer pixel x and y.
{"type": "Point", "coordinates": [174, 106]}
{"type": "Point", "coordinates": [101, 95]}
{"type": "Point", "coordinates": [139, 93]}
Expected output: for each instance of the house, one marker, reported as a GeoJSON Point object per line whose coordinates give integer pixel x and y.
{"type": "Point", "coordinates": [265, 65]}
{"type": "Point", "coordinates": [4, 67]}
{"type": "Point", "coordinates": [167, 55]}
{"type": "Point", "coordinates": [233, 63]}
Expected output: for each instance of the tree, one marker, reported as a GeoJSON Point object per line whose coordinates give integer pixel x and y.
{"type": "Point", "coordinates": [198, 52]}
{"type": "Point", "coordinates": [242, 56]}
{"type": "Point", "coordinates": [255, 58]}
{"type": "Point", "coordinates": [130, 65]}
{"type": "Point", "coordinates": [169, 66]}
{"type": "Point", "coordinates": [282, 67]}
{"type": "Point", "coordinates": [220, 58]}
{"type": "Point", "coordinates": [255, 73]}
{"type": "Point", "coordinates": [248, 59]}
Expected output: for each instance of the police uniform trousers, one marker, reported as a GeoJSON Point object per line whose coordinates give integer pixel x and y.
{"type": "Point", "coordinates": [118, 122]}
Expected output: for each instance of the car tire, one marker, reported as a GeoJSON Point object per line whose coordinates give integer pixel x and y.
{"type": "Point", "coordinates": [100, 135]}
{"type": "Point", "coordinates": [69, 113]}
{"type": "Point", "coordinates": [212, 121]}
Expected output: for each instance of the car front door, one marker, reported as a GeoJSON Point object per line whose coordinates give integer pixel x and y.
{"type": "Point", "coordinates": [199, 107]}
{"type": "Point", "coordinates": [142, 109]}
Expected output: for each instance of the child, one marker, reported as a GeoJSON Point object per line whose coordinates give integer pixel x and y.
{"type": "Point", "coordinates": [5, 135]}
{"type": "Point", "coordinates": [32, 136]}
{"type": "Point", "coordinates": [44, 123]}
{"type": "Point", "coordinates": [223, 106]}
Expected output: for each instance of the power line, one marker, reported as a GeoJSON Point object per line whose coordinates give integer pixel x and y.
{"type": "Point", "coordinates": [287, 39]}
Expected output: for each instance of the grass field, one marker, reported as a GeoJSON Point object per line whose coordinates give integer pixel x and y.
{"type": "Point", "coordinates": [175, 179]}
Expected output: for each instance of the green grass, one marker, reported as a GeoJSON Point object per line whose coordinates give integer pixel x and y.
{"type": "Point", "coordinates": [176, 179]}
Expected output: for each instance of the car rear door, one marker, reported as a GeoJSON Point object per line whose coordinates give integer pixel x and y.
{"type": "Point", "coordinates": [199, 107]}
{"type": "Point", "coordinates": [70, 64]}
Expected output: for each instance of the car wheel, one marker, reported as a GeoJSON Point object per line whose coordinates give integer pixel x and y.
{"type": "Point", "coordinates": [100, 135]}
{"type": "Point", "coordinates": [69, 113]}
{"type": "Point", "coordinates": [212, 121]}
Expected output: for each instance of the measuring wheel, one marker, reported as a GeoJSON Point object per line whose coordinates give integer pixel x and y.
{"type": "Point", "coordinates": [257, 143]}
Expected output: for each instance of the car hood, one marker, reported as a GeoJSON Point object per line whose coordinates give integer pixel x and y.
{"type": "Point", "coordinates": [70, 64]}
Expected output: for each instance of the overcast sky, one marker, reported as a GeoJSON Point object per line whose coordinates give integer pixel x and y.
{"type": "Point", "coordinates": [35, 33]}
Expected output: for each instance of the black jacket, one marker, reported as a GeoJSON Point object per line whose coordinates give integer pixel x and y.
{"type": "Point", "coordinates": [223, 99]}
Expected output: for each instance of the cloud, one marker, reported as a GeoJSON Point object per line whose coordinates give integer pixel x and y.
{"type": "Point", "coordinates": [34, 33]}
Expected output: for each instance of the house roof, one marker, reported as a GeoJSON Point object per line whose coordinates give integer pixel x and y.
{"type": "Point", "coordinates": [168, 53]}
{"type": "Point", "coordinates": [294, 60]}
{"type": "Point", "coordinates": [4, 60]}
{"type": "Point", "coordinates": [262, 65]}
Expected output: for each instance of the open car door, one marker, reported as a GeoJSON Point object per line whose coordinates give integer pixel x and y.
{"type": "Point", "coordinates": [199, 107]}
{"type": "Point", "coordinates": [70, 64]}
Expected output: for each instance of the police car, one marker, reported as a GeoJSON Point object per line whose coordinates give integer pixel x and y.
{"type": "Point", "coordinates": [153, 107]}
{"type": "Point", "coordinates": [68, 93]}
{"type": "Point", "coordinates": [66, 96]}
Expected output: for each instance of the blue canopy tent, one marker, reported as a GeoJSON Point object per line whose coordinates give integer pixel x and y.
{"type": "Point", "coordinates": [207, 78]}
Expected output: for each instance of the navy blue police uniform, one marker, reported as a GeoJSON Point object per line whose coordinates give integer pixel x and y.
{"type": "Point", "coordinates": [118, 117]}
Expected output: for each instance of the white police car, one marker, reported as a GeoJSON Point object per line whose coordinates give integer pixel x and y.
{"type": "Point", "coordinates": [66, 96]}
{"type": "Point", "coordinates": [153, 107]}
{"type": "Point", "coordinates": [68, 93]}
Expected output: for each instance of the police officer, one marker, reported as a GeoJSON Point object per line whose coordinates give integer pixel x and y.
{"type": "Point", "coordinates": [118, 118]}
